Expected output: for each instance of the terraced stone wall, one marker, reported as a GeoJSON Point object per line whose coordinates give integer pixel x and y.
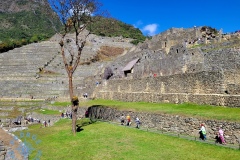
{"type": "Point", "coordinates": [202, 88]}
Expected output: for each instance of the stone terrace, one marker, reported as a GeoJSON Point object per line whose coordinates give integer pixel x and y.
{"type": "Point", "coordinates": [19, 71]}
{"type": "Point", "coordinates": [20, 76]}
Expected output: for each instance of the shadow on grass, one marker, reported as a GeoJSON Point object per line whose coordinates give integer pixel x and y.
{"type": "Point", "coordinates": [84, 122]}
{"type": "Point", "coordinates": [79, 128]}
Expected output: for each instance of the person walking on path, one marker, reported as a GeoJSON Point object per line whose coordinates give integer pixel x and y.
{"type": "Point", "coordinates": [122, 118]}
{"type": "Point", "coordinates": [49, 123]}
{"type": "Point", "coordinates": [128, 120]}
{"type": "Point", "coordinates": [202, 132]}
{"type": "Point", "coordinates": [137, 122]}
{"type": "Point", "coordinates": [221, 136]}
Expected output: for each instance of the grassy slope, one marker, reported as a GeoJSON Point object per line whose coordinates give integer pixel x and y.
{"type": "Point", "coordinates": [103, 141]}
{"type": "Point", "coordinates": [186, 109]}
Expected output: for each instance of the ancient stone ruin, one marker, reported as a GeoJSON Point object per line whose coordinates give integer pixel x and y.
{"type": "Point", "coordinates": [198, 65]}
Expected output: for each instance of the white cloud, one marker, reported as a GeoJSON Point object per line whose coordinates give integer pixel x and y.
{"type": "Point", "coordinates": [150, 29]}
{"type": "Point", "coordinates": [139, 23]}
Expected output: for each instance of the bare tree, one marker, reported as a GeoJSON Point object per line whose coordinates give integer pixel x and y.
{"type": "Point", "coordinates": [76, 16]}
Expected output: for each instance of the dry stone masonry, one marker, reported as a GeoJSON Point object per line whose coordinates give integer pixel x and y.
{"type": "Point", "coordinates": [171, 123]}
{"type": "Point", "coordinates": [198, 65]}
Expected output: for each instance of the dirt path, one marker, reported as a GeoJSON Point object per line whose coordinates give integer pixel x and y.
{"type": "Point", "coordinates": [8, 141]}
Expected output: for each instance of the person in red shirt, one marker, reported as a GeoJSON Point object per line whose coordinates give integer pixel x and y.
{"type": "Point", "coordinates": [128, 120]}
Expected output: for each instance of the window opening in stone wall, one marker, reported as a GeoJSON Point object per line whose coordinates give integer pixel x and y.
{"type": "Point", "coordinates": [165, 44]}
{"type": "Point", "coordinates": [177, 50]}
{"type": "Point", "coordinates": [127, 72]}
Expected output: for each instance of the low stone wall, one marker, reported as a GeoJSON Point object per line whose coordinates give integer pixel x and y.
{"type": "Point", "coordinates": [171, 123]}
{"type": "Point", "coordinates": [178, 98]}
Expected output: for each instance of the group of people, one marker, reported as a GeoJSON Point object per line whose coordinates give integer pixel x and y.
{"type": "Point", "coordinates": [219, 137]}
{"type": "Point", "coordinates": [202, 132]}
{"type": "Point", "coordinates": [85, 95]}
{"type": "Point", "coordinates": [128, 121]}
{"type": "Point", "coordinates": [29, 119]}
{"type": "Point", "coordinates": [66, 115]}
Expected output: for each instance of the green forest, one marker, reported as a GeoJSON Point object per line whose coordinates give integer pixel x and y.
{"type": "Point", "coordinates": [21, 28]}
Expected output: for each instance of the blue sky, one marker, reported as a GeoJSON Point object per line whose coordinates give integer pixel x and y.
{"type": "Point", "coordinates": [155, 16]}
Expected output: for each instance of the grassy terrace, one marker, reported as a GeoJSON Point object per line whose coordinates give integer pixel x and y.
{"type": "Point", "coordinates": [47, 111]}
{"type": "Point", "coordinates": [185, 109]}
{"type": "Point", "coordinates": [16, 104]}
{"type": "Point", "coordinates": [105, 141]}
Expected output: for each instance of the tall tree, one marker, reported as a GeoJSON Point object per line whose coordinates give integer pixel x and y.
{"type": "Point", "coordinates": [76, 16]}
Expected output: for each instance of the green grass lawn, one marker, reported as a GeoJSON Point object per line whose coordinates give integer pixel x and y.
{"type": "Point", "coordinates": [105, 141]}
{"type": "Point", "coordinates": [47, 111]}
{"type": "Point", "coordinates": [186, 109]}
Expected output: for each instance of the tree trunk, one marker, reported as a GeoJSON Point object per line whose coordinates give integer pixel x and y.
{"type": "Point", "coordinates": [74, 106]}
{"type": "Point", "coordinates": [74, 118]}
{"type": "Point", "coordinates": [70, 85]}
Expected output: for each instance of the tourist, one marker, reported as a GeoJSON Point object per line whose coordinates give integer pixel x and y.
{"type": "Point", "coordinates": [122, 118]}
{"type": "Point", "coordinates": [45, 123]}
{"type": "Point", "coordinates": [128, 120]}
{"type": "Point", "coordinates": [87, 114]}
{"type": "Point", "coordinates": [221, 136]}
{"type": "Point", "coordinates": [137, 122]}
{"type": "Point", "coordinates": [49, 123]}
{"type": "Point", "coordinates": [85, 95]}
{"type": "Point", "coordinates": [202, 132]}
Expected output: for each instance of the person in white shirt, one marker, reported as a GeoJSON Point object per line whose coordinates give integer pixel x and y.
{"type": "Point", "coordinates": [202, 132]}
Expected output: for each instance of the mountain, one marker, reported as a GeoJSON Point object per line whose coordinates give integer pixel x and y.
{"type": "Point", "coordinates": [26, 21]}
